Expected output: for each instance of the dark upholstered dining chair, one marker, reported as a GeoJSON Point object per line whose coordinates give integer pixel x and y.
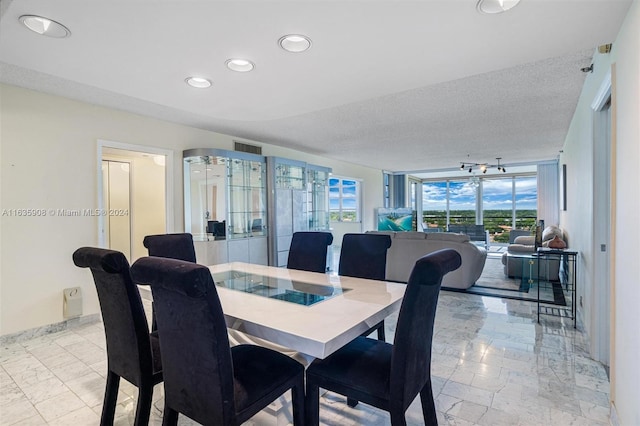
{"type": "Point", "coordinates": [388, 376]}
{"type": "Point", "coordinates": [205, 379]}
{"type": "Point", "coordinates": [173, 246]}
{"type": "Point", "coordinates": [365, 256]}
{"type": "Point", "coordinates": [308, 251]}
{"type": "Point", "coordinates": [132, 353]}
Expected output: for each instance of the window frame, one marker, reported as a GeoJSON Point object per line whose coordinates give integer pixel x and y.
{"type": "Point", "coordinates": [479, 201]}
{"type": "Point", "coordinates": [341, 209]}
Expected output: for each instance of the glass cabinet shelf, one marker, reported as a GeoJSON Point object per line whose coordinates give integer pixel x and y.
{"type": "Point", "coordinates": [225, 194]}
{"type": "Point", "coordinates": [318, 197]}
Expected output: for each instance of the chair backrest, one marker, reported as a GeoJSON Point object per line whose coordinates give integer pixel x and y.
{"type": "Point", "coordinates": [196, 356]}
{"type": "Point", "coordinates": [364, 255]}
{"type": "Point", "coordinates": [125, 324]}
{"type": "Point", "coordinates": [172, 246]}
{"type": "Point", "coordinates": [308, 251]}
{"type": "Point", "coordinates": [515, 233]}
{"type": "Point", "coordinates": [411, 355]}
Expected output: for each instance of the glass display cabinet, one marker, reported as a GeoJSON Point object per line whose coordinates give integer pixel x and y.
{"type": "Point", "coordinates": [225, 206]}
{"type": "Point", "coordinates": [247, 198]}
{"type": "Point", "coordinates": [287, 205]}
{"type": "Point", "coordinates": [298, 201]}
{"type": "Point", "coordinates": [318, 197]}
{"type": "Point", "coordinates": [243, 207]}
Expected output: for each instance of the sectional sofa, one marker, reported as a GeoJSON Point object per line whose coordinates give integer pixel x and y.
{"type": "Point", "coordinates": [407, 247]}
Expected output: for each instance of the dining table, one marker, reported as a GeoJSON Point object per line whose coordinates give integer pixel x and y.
{"type": "Point", "coordinates": [312, 313]}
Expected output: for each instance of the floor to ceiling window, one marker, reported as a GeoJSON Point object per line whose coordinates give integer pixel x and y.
{"type": "Point", "coordinates": [462, 201]}
{"type": "Point", "coordinates": [508, 203]}
{"type": "Point", "coordinates": [435, 205]}
{"type": "Point", "coordinates": [500, 204]}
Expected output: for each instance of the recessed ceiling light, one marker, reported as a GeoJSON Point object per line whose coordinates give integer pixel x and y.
{"type": "Point", "coordinates": [45, 26]}
{"type": "Point", "coordinates": [240, 65]}
{"type": "Point", "coordinates": [495, 6]}
{"type": "Point", "coordinates": [295, 43]}
{"type": "Point", "coordinates": [198, 82]}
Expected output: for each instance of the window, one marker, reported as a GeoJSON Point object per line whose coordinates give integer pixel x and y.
{"type": "Point", "coordinates": [386, 195]}
{"type": "Point", "coordinates": [509, 203]}
{"type": "Point", "coordinates": [500, 204]}
{"type": "Point", "coordinates": [344, 199]}
{"type": "Point", "coordinates": [462, 202]}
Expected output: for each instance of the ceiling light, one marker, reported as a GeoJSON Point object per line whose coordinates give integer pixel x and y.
{"type": "Point", "coordinates": [483, 167]}
{"type": "Point", "coordinates": [240, 65]}
{"type": "Point", "coordinates": [495, 6]}
{"type": "Point", "coordinates": [198, 82]}
{"type": "Point", "coordinates": [45, 26]}
{"type": "Point", "coordinates": [295, 43]}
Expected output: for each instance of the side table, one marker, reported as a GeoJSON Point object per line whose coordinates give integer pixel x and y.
{"type": "Point", "coordinates": [567, 284]}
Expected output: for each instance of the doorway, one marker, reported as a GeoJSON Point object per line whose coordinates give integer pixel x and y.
{"type": "Point", "coordinates": [135, 196]}
{"type": "Point", "coordinates": [602, 233]}
{"type": "Point", "coordinates": [116, 199]}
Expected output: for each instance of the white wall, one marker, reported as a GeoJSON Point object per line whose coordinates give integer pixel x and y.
{"type": "Point", "coordinates": [625, 370]}
{"type": "Point", "coordinates": [48, 158]}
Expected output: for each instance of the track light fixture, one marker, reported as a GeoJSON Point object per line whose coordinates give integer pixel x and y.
{"type": "Point", "coordinates": [483, 167]}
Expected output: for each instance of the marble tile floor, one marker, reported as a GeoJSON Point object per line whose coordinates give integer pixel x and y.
{"type": "Point", "coordinates": [492, 365]}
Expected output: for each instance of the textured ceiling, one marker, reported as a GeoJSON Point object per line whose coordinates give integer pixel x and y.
{"type": "Point", "coordinates": [394, 85]}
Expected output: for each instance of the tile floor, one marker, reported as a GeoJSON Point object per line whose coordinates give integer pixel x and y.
{"type": "Point", "coordinates": [492, 365]}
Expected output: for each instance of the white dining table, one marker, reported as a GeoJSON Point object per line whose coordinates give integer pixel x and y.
{"type": "Point", "coordinates": [265, 302]}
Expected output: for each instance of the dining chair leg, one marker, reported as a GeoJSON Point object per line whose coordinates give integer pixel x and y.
{"type": "Point", "coordinates": [110, 398]}
{"type": "Point", "coordinates": [312, 404]}
{"type": "Point", "coordinates": [143, 408]}
{"type": "Point", "coordinates": [298, 402]}
{"type": "Point", "coordinates": [170, 417]}
{"type": "Point", "coordinates": [428, 406]}
{"type": "Point", "coordinates": [398, 418]}
{"type": "Point", "coordinates": [381, 335]}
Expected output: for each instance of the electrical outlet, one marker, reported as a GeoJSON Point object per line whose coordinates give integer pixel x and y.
{"type": "Point", "coordinates": [72, 302]}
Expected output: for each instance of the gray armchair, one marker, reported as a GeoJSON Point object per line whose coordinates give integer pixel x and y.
{"type": "Point", "coordinates": [525, 244]}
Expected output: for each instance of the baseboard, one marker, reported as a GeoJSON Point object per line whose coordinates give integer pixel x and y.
{"type": "Point", "coordinates": [69, 324]}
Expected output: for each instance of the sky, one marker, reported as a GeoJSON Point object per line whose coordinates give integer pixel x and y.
{"type": "Point", "coordinates": [349, 194]}
{"type": "Point", "coordinates": [496, 193]}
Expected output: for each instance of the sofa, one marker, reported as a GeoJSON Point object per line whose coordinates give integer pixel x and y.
{"type": "Point", "coordinates": [513, 258]}
{"type": "Point", "coordinates": [407, 247]}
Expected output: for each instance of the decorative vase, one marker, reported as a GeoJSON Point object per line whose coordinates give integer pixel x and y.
{"type": "Point", "coordinates": [557, 243]}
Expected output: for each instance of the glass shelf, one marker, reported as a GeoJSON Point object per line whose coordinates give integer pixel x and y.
{"type": "Point", "coordinates": [225, 192]}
